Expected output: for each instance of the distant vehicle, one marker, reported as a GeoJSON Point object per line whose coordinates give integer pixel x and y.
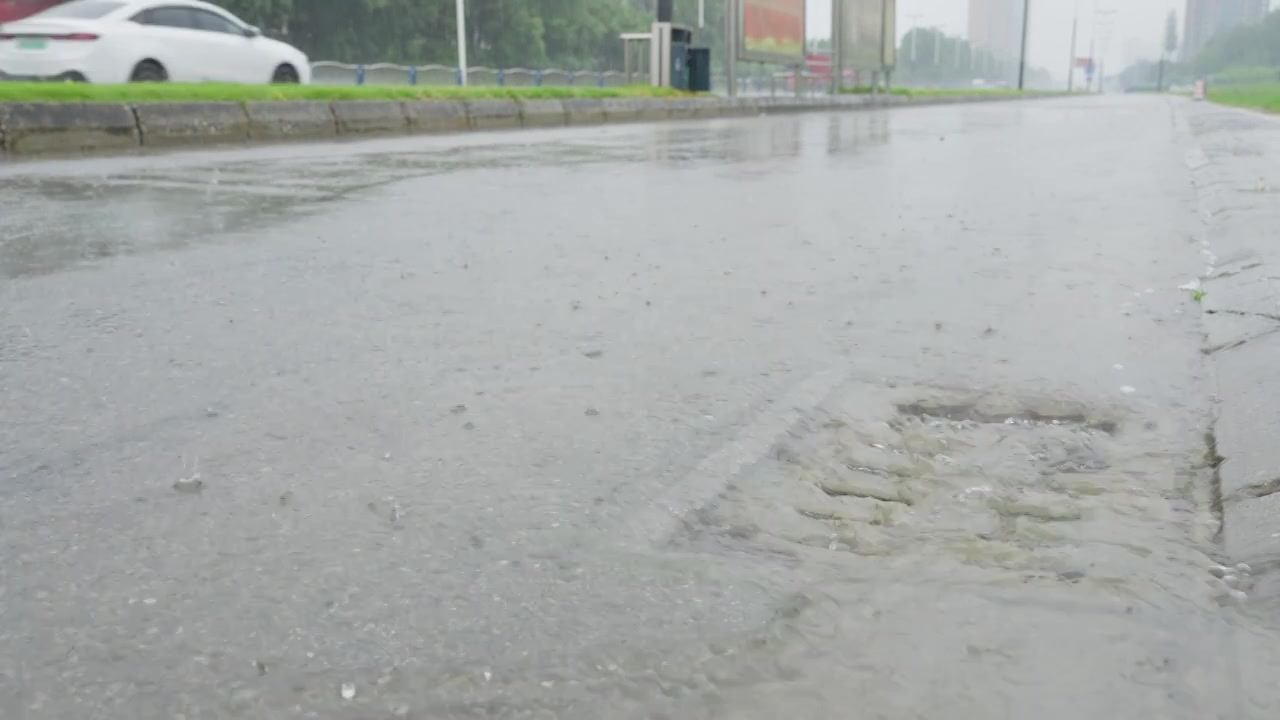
{"type": "Point", "coordinates": [117, 41]}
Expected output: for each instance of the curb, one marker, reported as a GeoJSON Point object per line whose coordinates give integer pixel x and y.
{"type": "Point", "coordinates": [362, 117]}
{"type": "Point", "coordinates": [173, 124]}
{"type": "Point", "coordinates": [543, 113]}
{"type": "Point", "coordinates": [270, 120]}
{"type": "Point", "coordinates": [436, 116]}
{"type": "Point", "coordinates": [53, 128]}
{"type": "Point", "coordinates": [1241, 321]}
{"type": "Point", "coordinates": [493, 114]}
{"type": "Point", "coordinates": [32, 128]}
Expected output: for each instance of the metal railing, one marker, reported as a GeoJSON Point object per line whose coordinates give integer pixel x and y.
{"type": "Point", "coordinates": [328, 72]}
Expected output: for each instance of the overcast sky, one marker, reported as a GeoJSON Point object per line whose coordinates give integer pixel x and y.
{"type": "Point", "coordinates": [1136, 26]}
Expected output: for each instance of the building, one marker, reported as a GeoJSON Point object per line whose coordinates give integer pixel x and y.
{"type": "Point", "coordinates": [996, 26]}
{"type": "Point", "coordinates": [1205, 18]}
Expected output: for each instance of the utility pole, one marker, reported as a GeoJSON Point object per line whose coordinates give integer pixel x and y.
{"type": "Point", "coordinates": [1022, 61]}
{"type": "Point", "coordinates": [1071, 69]}
{"type": "Point", "coordinates": [462, 42]}
{"type": "Point", "coordinates": [1088, 75]}
{"type": "Point", "coordinates": [731, 46]}
{"type": "Point", "coordinates": [837, 47]}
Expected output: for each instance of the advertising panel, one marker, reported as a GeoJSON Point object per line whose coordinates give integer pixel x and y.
{"type": "Point", "coordinates": [772, 31]}
{"type": "Point", "coordinates": [869, 34]}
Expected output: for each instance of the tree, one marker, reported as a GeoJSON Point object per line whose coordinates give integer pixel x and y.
{"type": "Point", "coordinates": [1170, 44]}
{"type": "Point", "coordinates": [1256, 47]}
{"type": "Point", "coordinates": [571, 34]}
{"type": "Point", "coordinates": [1171, 33]}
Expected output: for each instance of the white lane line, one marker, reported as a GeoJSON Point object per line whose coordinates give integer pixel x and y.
{"type": "Point", "coordinates": [704, 483]}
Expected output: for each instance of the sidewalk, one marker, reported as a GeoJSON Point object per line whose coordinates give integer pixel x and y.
{"type": "Point", "coordinates": [1235, 163]}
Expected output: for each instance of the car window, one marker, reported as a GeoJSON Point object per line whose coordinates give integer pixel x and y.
{"type": "Point", "coordinates": [84, 10]}
{"type": "Point", "coordinates": [174, 17]}
{"type": "Point", "coordinates": [213, 22]}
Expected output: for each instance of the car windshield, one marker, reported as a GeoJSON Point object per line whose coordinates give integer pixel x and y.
{"type": "Point", "coordinates": [87, 10]}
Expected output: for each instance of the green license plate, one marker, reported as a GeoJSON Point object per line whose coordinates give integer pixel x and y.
{"type": "Point", "coordinates": [32, 43]}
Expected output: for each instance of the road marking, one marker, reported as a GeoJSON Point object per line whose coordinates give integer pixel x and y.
{"type": "Point", "coordinates": [707, 480]}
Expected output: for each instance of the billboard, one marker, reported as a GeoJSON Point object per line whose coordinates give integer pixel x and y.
{"type": "Point", "coordinates": [771, 31]}
{"type": "Point", "coordinates": [869, 34]}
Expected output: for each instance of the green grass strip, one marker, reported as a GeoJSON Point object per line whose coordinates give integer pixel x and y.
{"type": "Point", "coordinates": [211, 92]}
{"type": "Point", "coordinates": [1265, 97]}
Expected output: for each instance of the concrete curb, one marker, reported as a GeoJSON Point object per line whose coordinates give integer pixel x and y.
{"type": "Point", "coordinates": [172, 124]}
{"type": "Point", "coordinates": [31, 128]}
{"type": "Point", "coordinates": [494, 114]}
{"type": "Point", "coordinates": [635, 110]}
{"type": "Point", "coordinates": [543, 113]}
{"type": "Point", "coordinates": [585, 111]}
{"type": "Point", "coordinates": [271, 120]}
{"type": "Point", "coordinates": [40, 128]}
{"type": "Point", "coordinates": [362, 117]}
{"type": "Point", "coordinates": [1241, 304]}
{"type": "Point", "coordinates": [436, 116]}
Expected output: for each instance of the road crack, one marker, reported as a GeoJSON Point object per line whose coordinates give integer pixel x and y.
{"type": "Point", "coordinates": [1244, 313]}
{"type": "Point", "coordinates": [1231, 345]}
{"type": "Point", "coordinates": [1253, 492]}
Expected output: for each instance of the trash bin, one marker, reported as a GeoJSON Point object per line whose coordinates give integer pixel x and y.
{"type": "Point", "coordinates": [700, 69]}
{"type": "Point", "coordinates": [680, 40]}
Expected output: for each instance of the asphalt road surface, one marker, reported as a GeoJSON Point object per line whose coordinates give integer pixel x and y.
{"type": "Point", "coordinates": [866, 415]}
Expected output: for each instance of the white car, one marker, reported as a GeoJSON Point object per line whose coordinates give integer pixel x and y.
{"type": "Point", "coordinates": [117, 41]}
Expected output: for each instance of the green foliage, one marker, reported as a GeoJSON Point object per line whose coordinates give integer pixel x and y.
{"type": "Point", "coordinates": [569, 34]}
{"type": "Point", "coordinates": [1254, 46]}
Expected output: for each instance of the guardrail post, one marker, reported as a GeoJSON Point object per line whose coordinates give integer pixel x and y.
{"type": "Point", "coordinates": [569, 77]}
{"type": "Point", "coordinates": [600, 80]}
{"type": "Point", "coordinates": [502, 77]}
{"type": "Point", "coordinates": [457, 77]}
{"type": "Point", "coordinates": [537, 78]}
{"type": "Point", "coordinates": [359, 74]}
{"type": "Point", "coordinates": [413, 74]}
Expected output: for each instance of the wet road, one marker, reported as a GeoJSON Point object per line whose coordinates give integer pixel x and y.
{"type": "Point", "coordinates": [867, 415]}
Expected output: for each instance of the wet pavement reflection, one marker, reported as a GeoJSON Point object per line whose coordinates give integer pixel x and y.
{"type": "Point", "coordinates": [876, 415]}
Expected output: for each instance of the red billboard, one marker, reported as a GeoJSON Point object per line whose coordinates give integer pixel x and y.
{"type": "Point", "coordinates": [772, 31]}
{"type": "Point", "coordinates": [11, 10]}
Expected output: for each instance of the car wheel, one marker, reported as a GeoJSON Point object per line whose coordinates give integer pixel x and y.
{"type": "Point", "coordinates": [285, 75]}
{"type": "Point", "coordinates": [149, 71]}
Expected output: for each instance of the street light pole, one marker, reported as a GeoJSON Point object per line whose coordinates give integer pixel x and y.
{"type": "Point", "coordinates": [462, 42]}
{"type": "Point", "coordinates": [837, 47]}
{"type": "Point", "coordinates": [1071, 69]}
{"type": "Point", "coordinates": [1022, 61]}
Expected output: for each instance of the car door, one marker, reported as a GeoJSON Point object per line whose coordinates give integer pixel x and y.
{"type": "Point", "coordinates": [168, 35]}
{"type": "Point", "coordinates": [232, 54]}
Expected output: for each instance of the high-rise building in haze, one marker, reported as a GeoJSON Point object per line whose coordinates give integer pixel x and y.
{"type": "Point", "coordinates": [1206, 18]}
{"type": "Point", "coordinates": [996, 26]}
